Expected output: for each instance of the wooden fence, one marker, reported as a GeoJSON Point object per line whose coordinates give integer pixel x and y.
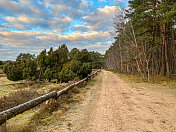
{"type": "Point", "coordinates": [8, 114]}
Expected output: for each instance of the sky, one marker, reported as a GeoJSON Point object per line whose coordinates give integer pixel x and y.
{"type": "Point", "coordinates": [29, 26]}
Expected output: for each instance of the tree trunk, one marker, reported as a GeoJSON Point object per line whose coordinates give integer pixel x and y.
{"type": "Point", "coordinates": [166, 51]}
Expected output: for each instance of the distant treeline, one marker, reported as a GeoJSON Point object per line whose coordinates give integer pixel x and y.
{"type": "Point", "coordinates": [145, 40]}
{"type": "Point", "coordinates": [60, 65]}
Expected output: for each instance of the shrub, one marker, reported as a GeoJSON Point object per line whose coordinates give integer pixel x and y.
{"type": "Point", "coordinates": [74, 69]}
{"type": "Point", "coordinates": [13, 71]}
{"type": "Point", "coordinates": [85, 69]}
{"type": "Point", "coordinates": [21, 70]}
{"type": "Point", "coordinates": [67, 73]}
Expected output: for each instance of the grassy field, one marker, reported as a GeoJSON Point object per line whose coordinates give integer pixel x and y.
{"type": "Point", "coordinates": [47, 116]}
{"type": "Point", "coordinates": [15, 93]}
{"type": "Point", "coordinates": [7, 86]}
{"type": "Point", "coordinates": [161, 83]}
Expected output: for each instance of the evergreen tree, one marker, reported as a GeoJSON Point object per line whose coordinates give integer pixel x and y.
{"type": "Point", "coordinates": [41, 59]}
{"type": "Point", "coordinates": [85, 69]}
{"type": "Point", "coordinates": [23, 56]}
{"type": "Point", "coordinates": [73, 53]}
{"type": "Point", "coordinates": [50, 63]}
{"type": "Point", "coordinates": [48, 74]}
{"type": "Point", "coordinates": [83, 56]}
{"type": "Point", "coordinates": [29, 69]}
{"type": "Point", "coordinates": [60, 57]}
{"type": "Point", "coordinates": [13, 70]}
{"type": "Point", "coordinates": [97, 60]}
{"type": "Point", "coordinates": [58, 64]}
{"type": "Point", "coordinates": [66, 73]}
{"type": "Point", "coordinates": [146, 41]}
{"type": "Point", "coordinates": [24, 68]}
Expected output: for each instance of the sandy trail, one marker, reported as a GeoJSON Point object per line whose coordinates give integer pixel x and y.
{"type": "Point", "coordinates": [123, 108]}
{"type": "Point", "coordinates": [115, 106]}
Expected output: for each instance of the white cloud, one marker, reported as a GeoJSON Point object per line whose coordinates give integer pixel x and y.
{"type": "Point", "coordinates": [26, 1]}
{"type": "Point", "coordinates": [76, 11]}
{"type": "Point", "coordinates": [28, 27]}
{"type": "Point", "coordinates": [100, 20]}
{"type": "Point", "coordinates": [80, 28]}
{"type": "Point", "coordinates": [94, 46]}
{"type": "Point", "coordinates": [18, 42]}
{"type": "Point", "coordinates": [9, 7]}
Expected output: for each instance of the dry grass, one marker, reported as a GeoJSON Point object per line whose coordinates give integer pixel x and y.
{"type": "Point", "coordinates": [156, 82]}
{"type": "Point", "coordinates": [6, 86]}
{"type": "Point", "coordinates": [48, 116]}
{"type": "Point", "coordinates": [14, 99]}
{"type": "Point", "coordinates": [15, 93]}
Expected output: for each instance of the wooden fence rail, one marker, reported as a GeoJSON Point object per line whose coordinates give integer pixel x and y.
{"type": "Point", "coordinates": [8, 114]}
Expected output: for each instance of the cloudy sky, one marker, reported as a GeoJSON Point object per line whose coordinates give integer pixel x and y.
{"type": "Point", "coordinates": [29, 26]}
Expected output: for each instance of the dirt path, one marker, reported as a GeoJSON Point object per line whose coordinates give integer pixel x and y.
{"type": "Point", "coordinates": [122, 108]}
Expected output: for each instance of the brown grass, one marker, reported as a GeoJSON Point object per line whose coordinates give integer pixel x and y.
{"type": "Point", "coordinates": [157, 82]}
{"type": "Point", "coordinates": [19, 97]}
{"type": "Point", "coordinates": [30, 84]}
{"type": "Point", "coordinates": [12, 128]}
{"type": "Point", "coordinates": [52, 113]}
{"type": "Point", "coordinates": [7, 86]}
{"type": "Point", "coordinates": [157, 79]}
